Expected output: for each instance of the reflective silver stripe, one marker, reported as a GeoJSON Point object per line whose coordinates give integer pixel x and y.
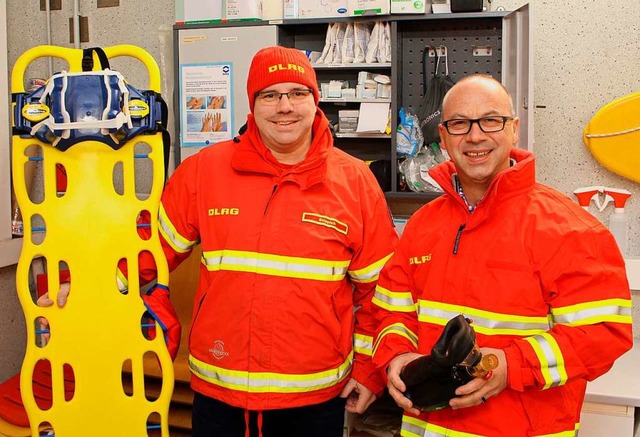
{"type": "Point", "coordinates": [394, 301]}
{"type": "Point", "coordinates": [169, 232]}
{"type": "Point", "coordinates": [275, 265]}
{"type": "Point", "coordinates": [551, 360]}
{"type": "Point", "coordinates": [363, 344]}
{"type": "Point", "coordinates": [268, 382]}
{"type": "Point", "coordinates": [610, 310]}
{"type": "Point", "coordinates": [397, 329]}
{"type": "Point", "coordinates": [485, 322]}
{"type": "Point", "coordinates": [369, 273]}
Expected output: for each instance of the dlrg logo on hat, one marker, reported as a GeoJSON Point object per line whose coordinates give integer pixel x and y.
{"type": "Point", "coordinates": [279, 67]}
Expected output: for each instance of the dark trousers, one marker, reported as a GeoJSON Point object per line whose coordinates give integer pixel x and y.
{"type": "Point", "coordinates": [212, 418]}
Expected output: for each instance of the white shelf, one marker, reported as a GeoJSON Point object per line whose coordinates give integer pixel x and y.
{"type": "Point", "coordinates": [353, 100]}
{"type": "Point", "coordinates": [352, 66]}
{"type": "Point", "coordinates": [361, 135]}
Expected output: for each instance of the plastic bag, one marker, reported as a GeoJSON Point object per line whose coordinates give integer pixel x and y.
{"type": "Point", "coordinates": [435, 87]}
{"type": "Point", "coordinates": [326, 57]}
{"type": "Point", "coordinates": [408, 135]}
{"type": "Point", "coordinates": [361, 41]}
{"type": "Point", "coordinates": [340, 30]}
{"type": "Point", "coordinates": [384, 44]}
{"type": "Point", "coordinates": [374, 40]}
{"type": "Point", "coordinates": [348, 44]}
{"type": "Point", "coordinates": [416, 173]}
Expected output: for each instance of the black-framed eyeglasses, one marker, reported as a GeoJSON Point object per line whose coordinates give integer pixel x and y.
{"type": "Point", "coordinates": [462, 126]}
{"type": "Point", "coordinates": [294, 96]}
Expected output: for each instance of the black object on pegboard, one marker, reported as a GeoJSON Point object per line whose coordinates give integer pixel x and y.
{"type": "Point", "coordinates": [473, 46]}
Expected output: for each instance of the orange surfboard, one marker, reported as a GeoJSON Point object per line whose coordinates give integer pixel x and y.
{"type": "Point", "coordinates": [613, 136]}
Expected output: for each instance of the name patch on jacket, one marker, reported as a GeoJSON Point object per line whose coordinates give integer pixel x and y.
{"type": "Point", "coordinates": [323, 220]}
{"type": "Point", "coordinates": [224, 211]}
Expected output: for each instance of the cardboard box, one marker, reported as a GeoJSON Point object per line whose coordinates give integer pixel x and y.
{"type": "Point", "coordinates": [322, 8]}
{"type": "Point", "coordinates": [315, 8]}
{"type": "Point", "coordinates": [369, 7]}
{"type": "Point", "coordinates": [272, 9]}
{"type": "Point", "coordinates": [290, 9]}
{"type": "Point", "coordinates": [198, 11]}
{"type": "Point", "coordinates": [348, 120]}
{"type": "Point", "coordinates": [248, 10]}
{"type": "Point", "coordinates": [410, 6]}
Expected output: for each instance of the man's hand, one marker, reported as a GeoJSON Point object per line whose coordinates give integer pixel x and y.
{"type": "Point", "coordinates": [215, 102]}
{"type": "Point", "coordinates": [194, 103]}
{"type": "Point", "coordinates": [358, 396]}
{"type": "Point", "coordinates": [63, 295]}
{"type": "Point", "coordinates": [396, 386]}
{"type": "Point", "coordinates": [216, 123]}
{"type": "Point", "coordinates": [479, 391]}
{"type": "Point", "coordinates": [207, 123]}
{"type": "Point", "coordinates": [45, 301]}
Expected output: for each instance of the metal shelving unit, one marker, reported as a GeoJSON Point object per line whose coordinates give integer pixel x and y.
{"type": "Point", "coordinates": [495, 43]}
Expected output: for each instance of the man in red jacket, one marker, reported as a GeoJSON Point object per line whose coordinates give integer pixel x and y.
{"type": "Point", "coordinates": [542, 280]}
{"type": "Point", "coordinates": [294, 233]}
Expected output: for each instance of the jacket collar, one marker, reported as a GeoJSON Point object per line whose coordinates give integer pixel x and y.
{"type": "Point", "coordinates": [252, 156]}
{"type": "Point", "coordinates": [512, 180]}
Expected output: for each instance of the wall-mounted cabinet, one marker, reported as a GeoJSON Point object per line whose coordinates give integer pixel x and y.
{"type": "Point", "coordinates": [495, 43]}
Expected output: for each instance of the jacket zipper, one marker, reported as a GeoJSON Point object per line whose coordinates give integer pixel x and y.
{"type": "Point", "coordinates": [275, 187]}
{"type": "Point", "coordinates": [458, 235]}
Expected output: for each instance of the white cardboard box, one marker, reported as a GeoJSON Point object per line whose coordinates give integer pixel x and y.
{"type": "Point", "coordinates": [290, 9]}
{"type": "Point", "coordinates": [198, 11]}
{"type": "Point", "coordinates": [322, 8]}
{"type": "Point", "coordinates": [410, 6]}
{"type": "Point", "coordinates": [367, 7]}
{"type": "Point", "coordinates": [243, 10]}
{"type": "Point", "coordinates": [315, 8]}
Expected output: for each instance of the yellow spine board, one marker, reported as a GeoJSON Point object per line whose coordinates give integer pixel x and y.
{"type": "Point", "coordinates": [91, 227]}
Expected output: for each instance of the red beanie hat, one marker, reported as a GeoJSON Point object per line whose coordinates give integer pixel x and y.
{"type": "Point", "coordinates": [277, 64]}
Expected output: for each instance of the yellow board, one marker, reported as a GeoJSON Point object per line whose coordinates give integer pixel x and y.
{"type": "Point", "coordinates": [613, 136]}
{"type": "Point", "coordinates": [91, 227]}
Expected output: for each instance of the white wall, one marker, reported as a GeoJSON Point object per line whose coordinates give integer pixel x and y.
{"type": "Point", "coordinates": [586, 55]}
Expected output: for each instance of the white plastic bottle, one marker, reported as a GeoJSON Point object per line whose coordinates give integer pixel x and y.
{"type": "Point", "coordinates": [619, 226]}
{"type": "Point", "coordinates": [618, 221]}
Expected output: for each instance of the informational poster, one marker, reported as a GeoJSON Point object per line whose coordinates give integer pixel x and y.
{"type": "Point", "coordinates": [206, 99]}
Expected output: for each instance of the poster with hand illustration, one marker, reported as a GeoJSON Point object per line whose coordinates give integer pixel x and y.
{"type": "Point", "coordinates": [205, 93]}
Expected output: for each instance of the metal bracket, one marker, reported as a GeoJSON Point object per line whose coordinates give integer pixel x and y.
{"type": "Point", "coordinates": [482, 50]}
{"type": "Point", "coordinates": [442, 51]}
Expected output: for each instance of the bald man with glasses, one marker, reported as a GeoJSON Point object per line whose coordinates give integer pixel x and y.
{"type": "Point", "coordinates": [542, 280]}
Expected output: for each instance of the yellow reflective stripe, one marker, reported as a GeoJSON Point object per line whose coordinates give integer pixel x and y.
{"type": "Point", "coordinates": [397, 329]}
{"type": "Point", "coordinates": [484, 322]}
{"type": "Point", "coordinates": [171, 235]}
{"type": "Point", "coordinates": [270, 382]}
{"type": "Point", "coordinates": [363, 344]}
{"type": "Point", "coordinates": [551, 359]}
{"type": "Point", "coordinates": [122, 281]}
{"type": "Point", "coordinates": [369, 273]}
{"type": "Point", "coordinates": [413, 427]}
{"type": "Point", "coordinates": [400, 301]}
{"type": "Point", "coordinates": [589, 313]}
{"type": "Point", "coordinates": [275, 265]}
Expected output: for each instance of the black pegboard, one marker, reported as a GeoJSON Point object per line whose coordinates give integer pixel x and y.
{"type": "Point", "coordinates": [460, 37]}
